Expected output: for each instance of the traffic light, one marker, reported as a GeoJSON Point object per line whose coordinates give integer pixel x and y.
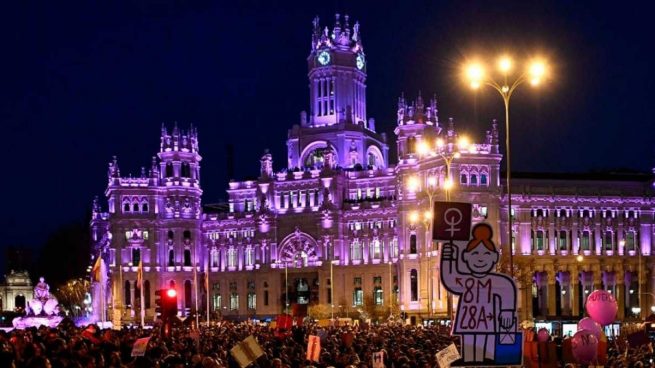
{"type": "Point", "coordinates": [169, 304]}
{"type": "Point", "coordinates": [166, 304]}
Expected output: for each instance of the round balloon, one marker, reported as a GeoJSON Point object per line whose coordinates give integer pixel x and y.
{"type": "Point", "coordinates": [601, 307]}
{"type": "Point", "coordinates": [543, 335]}
{"type": "Point", "coordinates": [591, 326]}
{"type": "Point", "coordinates": [584, 346]}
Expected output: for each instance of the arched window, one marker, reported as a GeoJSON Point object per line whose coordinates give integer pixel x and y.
{"type": "Point", "coordinates": [171, 284]}
{"type": "Point", "coordinates": [187, 257]}
{"type": "Point", "coordinates": [126, 207]}
{"type": "Point", "coordinates": [171, 258]}
{"type": "Point", "coordinates": [144, 207]}
{"type": "Point", "coordinates": [412, 244]}
{"type": "Point", "coordinates": [171, 235]}
{"type": "Point", "coordinates": [413, 284]}
{"type": "Point", "coordinates": [187, 236]}
{"type": "Point", "coordinates": [19, 302]}
{"type": "Point", "coordinates": [187, 294]}
{"type": "Point", "coordinates": [146, 293]}
{"type": "Point", "coordinates": [135, 207]}
{"type": "Point", "coordinates": [169, 170]}
{"type": "Point", "coordinates": [585, 241]}
{"type": "Point", "coordinates": [483, 179]}
{"type": "Point", "coordinates": [474, 179]}
{"type": "Point", "coordinates": [463, 179]}
{"type": "Point", "coordinates": [128, 293]}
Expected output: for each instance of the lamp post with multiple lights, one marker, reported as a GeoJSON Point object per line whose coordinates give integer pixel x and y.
{"type": "Point", "coordinates": [505, 86]}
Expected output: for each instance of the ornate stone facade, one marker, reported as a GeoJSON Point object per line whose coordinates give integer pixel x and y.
{"type": "Point", "coordinates": [339, 204]}
{"type": "Point", "coordinates": [16, 291]}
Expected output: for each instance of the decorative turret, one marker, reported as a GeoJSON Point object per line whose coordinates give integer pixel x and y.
{"type": "Point", "coordinates": [179, 140]}
{"type": "Point", "coordinates": [266, 165]}
{"type": "Point", "coordinates": [337, 75]}
{"type": "Point", "coordinates": [494, 137]}
{"type": "Point", "coordinates": [179, 160]}
{"type": "Point", "coordinates": [416, 121]}
{"type": "Point", "coordinates": [417, 112]}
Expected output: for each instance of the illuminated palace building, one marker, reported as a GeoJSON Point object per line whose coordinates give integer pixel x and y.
{"type": "Point", "coordinates": [342, 228]}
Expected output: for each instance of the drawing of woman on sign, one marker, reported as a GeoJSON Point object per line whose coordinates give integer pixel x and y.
{"type": "Point", "coordinates": [487, 300]}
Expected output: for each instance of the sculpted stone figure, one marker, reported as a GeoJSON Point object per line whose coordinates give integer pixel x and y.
{"type": "Point", "coordinates": [42, 290]}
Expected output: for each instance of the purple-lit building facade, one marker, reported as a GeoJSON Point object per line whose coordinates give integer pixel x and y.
{"type": "Point", "coordinates": [339, 208]}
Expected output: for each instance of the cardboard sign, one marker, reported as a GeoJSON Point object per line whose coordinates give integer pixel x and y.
{"type": "Point", "coordinates": [451, 221]}
{"type": "Point", "coordinates": [378, 359]}
{"type": "Point", "coordinates": [447, 356]}
{"type": "Point", "coordinates": [246, 352]}
{"type": "Point", "coordinates": [140, 346]}
{"type": "Point", "coordinates": [313, 348]}
{"type": "Point", "coordinates": [486, 318]}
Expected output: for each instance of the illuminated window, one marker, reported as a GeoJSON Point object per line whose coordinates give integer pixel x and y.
{"type": "Point", "coordinates": [231, 258]}
{"type": "Point", "coordinates": [378, 295]}
{"type": "Point", "coordinates": [393, 248]}
{"type": "Point", "coordinates": [377, 192]}
{"type": "Point", "coordinates": [376, 249]}
{"type": "Point", "coordinates": [356, 250]}
{"type": "Point", "coordinates": [252, 300]}
{"type": "Point", "coordinates": [234, 301]}
{"type": "Point", "coordinates": [358, 297]}
{"type": "Point", "coordinates": [217, 302]}
{"type": "Point", "coordinates": [214, 258]}
{"type": "Point", "coordinates": [250, 256]}
{"type": "Point", "coordinates": [145, 234]}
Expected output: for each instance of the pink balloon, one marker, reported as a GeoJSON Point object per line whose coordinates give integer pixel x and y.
{"type": "Point", "coordinates": [584, 346]}
{"type": "Point", "coordinates": [591, 326]}
{"type": "Point", "coordinates": [601, 307]}
{"type": "Point", "coordinates": [543, 335]}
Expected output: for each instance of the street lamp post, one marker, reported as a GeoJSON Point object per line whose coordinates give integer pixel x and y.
{"type": "Point", "coordinates": [476, 76]}
{"type": "Point", "coordinates": [447, 151]}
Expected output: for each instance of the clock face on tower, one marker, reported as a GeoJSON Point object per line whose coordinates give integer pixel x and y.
{"type": "Point", "coordinates": [324, 57]}
{"type": "Point", "coordinates": [360, 61]}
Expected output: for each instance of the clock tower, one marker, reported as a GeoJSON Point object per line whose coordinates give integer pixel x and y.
{"type": "Point", "coordinates": [337, 75]}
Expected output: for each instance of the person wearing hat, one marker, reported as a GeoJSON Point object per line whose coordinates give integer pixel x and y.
{"type": "Point", "coordinates": [487, 300]}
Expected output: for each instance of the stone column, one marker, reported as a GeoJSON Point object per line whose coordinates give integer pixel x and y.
{"type": "Point", "coordinates": [564, 279]}
{"type": "Point", "coordinates": [575, 303]}
{"type": "Point", "coordinates": [552, 291]}
{"type": "Point", "coordinates": [598, 242]}
{"type": "Point", "coordinates": [620, 293]}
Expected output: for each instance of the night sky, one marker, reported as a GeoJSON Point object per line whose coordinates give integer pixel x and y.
{"type": "Point", "coordinates": [82, 81]}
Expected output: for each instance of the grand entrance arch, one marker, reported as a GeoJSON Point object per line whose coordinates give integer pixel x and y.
{"type": "Point", "coordinates": [297, 256]}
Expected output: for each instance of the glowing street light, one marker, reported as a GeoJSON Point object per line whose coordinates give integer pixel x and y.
{"type": "Point", "coordinates": [475, 76]}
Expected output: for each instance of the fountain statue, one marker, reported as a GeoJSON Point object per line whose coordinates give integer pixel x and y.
{"type": "Point", "coordinates": [43, 309]}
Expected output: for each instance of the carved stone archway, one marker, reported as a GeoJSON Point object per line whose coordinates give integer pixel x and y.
{"type": "Point", "coordinates": [298, 250]}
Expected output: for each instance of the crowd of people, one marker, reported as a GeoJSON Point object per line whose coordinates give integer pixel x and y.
{"type": "Point", "coordinates": [346, 346]}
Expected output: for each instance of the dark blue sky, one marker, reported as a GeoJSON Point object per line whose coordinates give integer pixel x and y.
{"type": "Point", "coordinates": [82, 81]}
